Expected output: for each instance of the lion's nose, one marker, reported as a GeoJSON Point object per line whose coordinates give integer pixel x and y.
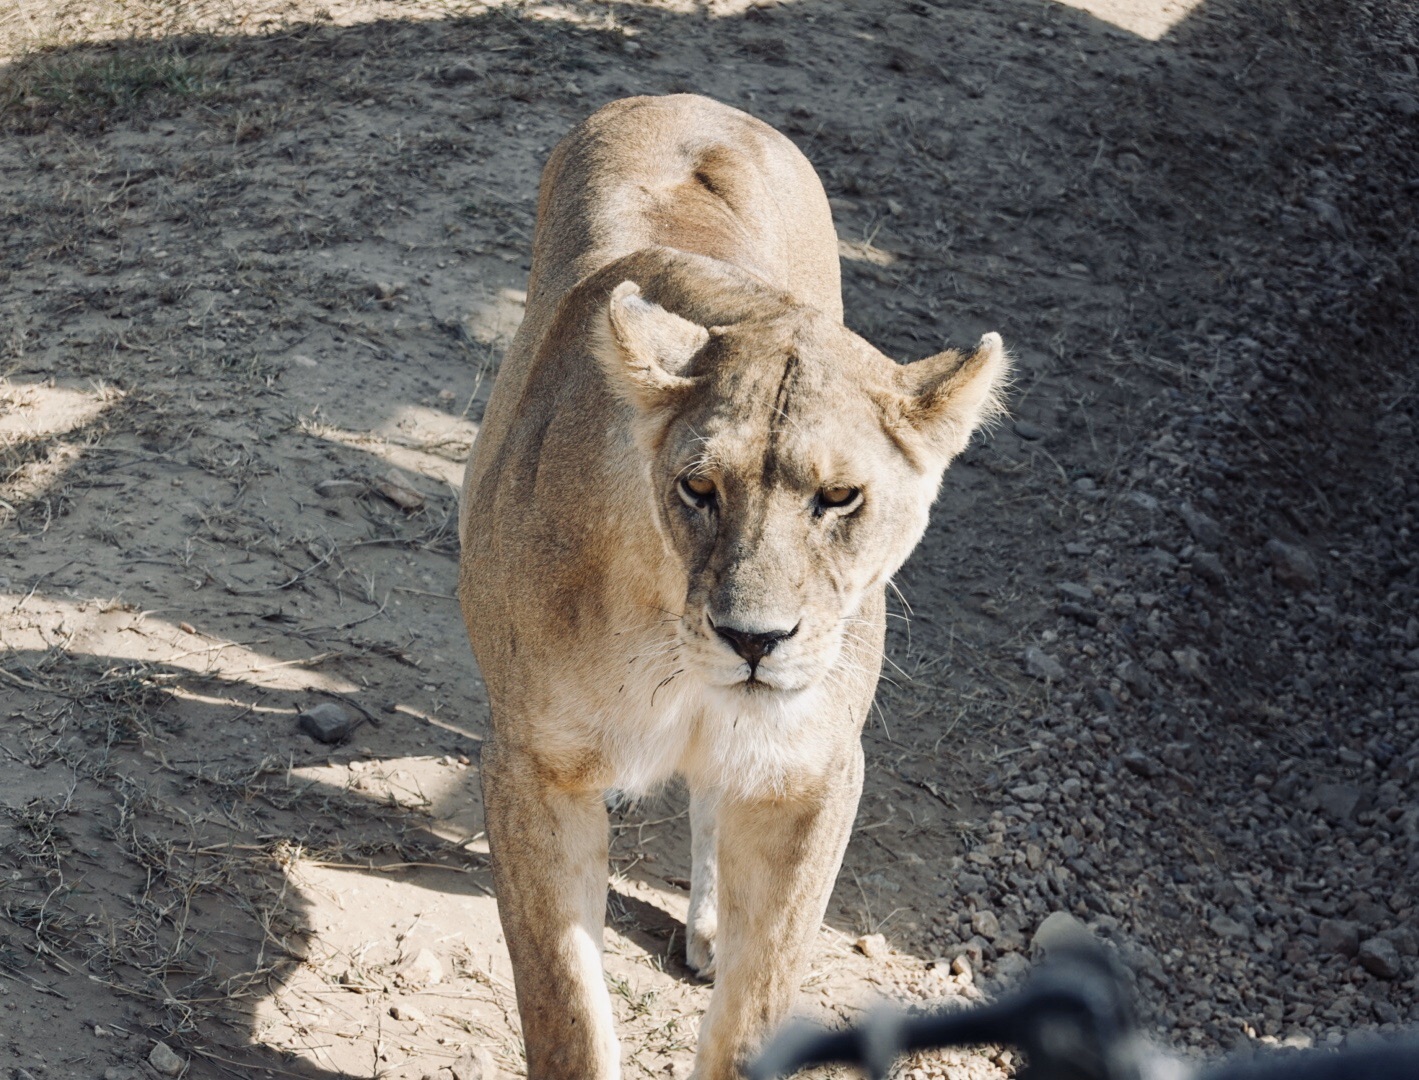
{"type": "Point", "coordinates": [753, 646]}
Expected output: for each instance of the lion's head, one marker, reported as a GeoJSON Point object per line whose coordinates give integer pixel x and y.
{"type": "Point", "coordinates": [792, 468]}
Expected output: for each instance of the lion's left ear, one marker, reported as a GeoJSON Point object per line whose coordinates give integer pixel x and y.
{"type": "Point", "coordinates": [643, 348]}
{"type": "Point", "coordinates": [945, 397]}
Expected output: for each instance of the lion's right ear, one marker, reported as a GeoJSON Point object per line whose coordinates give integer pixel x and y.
{"type": "Point", "coordinates": [643, 348]}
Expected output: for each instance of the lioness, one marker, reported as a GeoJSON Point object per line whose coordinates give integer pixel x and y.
{"type": "Point", "coordinates": [691, 486]}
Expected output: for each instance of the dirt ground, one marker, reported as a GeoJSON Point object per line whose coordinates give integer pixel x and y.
{"type": "Point", "coordinates": [1156, 663]}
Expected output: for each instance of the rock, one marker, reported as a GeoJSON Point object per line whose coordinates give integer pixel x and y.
{"type": "Point", "coordinates": [1337, 800]}
{"type": "Point", "coordinates": [1338, 937]}
{"type": "Point", "coordinates": [1029, 792]}
{"type": "Point", "coordinates": [1142, 960]}
{"type": "Point", "coordinates": [301, 360]}
{"type": "Point", "coordinates": [1041, 665]}
{"type": "Point", "coordinates": [986, 925]}
{"type": "Point", "coordinates": [461, 72]}
{"type": "Point", "coordinates": [332, 489]}
{"type": "Point", "coordinates": [1403, 939]}
{"type": "Point", "coordinates": [1082, 593]}
{"type": "Point", "coordinates": [1209, 567]}
{"type": "Point", "coordinates": [1292, 564]}
{"type": "Point", "coordinates": [1059, 928]}
{"type": "Point", "coordinates": [408, 1013]}
{"type": "Point", "coordinates": [1402, 103]}
{"type": "Point", "coordinates": [162, 1058]}
{"type": "Point", "coordinates": [1368, 913]}
{"type": "Point", "coordinates": [328, 722]}
{"type": "Point", "coordinates": [397, 490]}
{"type": "Point", "coordinates": [1224, 926]}
{"type": "Point", "coordinates": [1135, 676]}
{"type": "Point", "coordinates": [474, 1065]}
{"type": "Point", "coordinates": [1189, 662]}
{"type": "Point", "coordinates": [1029, 431]}
{"type": "Point", "coordinates": [1380, 958]}
{"type": "Point", "coordinates": [1140, 764]}
{"type": "Point", "coordinates": [970, 883]}
{"type": "Point", "coordinates": [1329, 213]}
{"type": "Point", "coordinates": [1142, 500]}
{"type": "Point", "coordinates": [1204, 529]}
{"type": "Point", "coordinates": [872, 946]}
{"type": "Point", "coordinates": [422, 969]}
{"type": "Point", "coordinates": [1010, 968]}
{"type": "Point", "coordinates": [961, 966]}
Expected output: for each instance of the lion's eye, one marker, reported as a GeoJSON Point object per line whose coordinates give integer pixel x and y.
{"type": "Point", "coordinates": [697, 490]}
{"type": "Point", "coordinates": [835, 498]}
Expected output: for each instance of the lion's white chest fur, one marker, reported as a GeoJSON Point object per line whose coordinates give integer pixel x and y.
{"type": "Point", "coordinates": [663, 719]}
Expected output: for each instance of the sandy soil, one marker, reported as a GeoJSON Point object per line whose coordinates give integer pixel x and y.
{"type": "Point", "coordinates": [1157, 661]}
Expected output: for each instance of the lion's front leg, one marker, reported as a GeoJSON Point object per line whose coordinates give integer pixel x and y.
{"type": "Point", "coordinates": [703, 921]}
{"type": "Point", "coordinates": [549, 848]}
{"type": "Point", "coordinates": [778, 860]}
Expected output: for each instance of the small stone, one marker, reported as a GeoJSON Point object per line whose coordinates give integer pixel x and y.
{"type": "Point", "coordinates": [1142, 500]}
{"type": "Point", "coordinates": [1028, 431]}
{"type": "Point", "coordinates": [1204, 529]}
{"type": "Point", "coordinates": [301, 360]}
{"type": "Point", "coordinates": [1338, 800]}
{"type": "Point", "coordinates": [986, 925]}
{"type": "Point", "coordinates": [1135, 676]}
{"type": "Point", "coordinates": [1140, 764]}
{"type": "Point", "coordinates": [1010, 967]}
{"type": "Point", "coordinates": [1329, 213]}
{"type": "Point", "coordinates": [1338, 937]}
{"type": "Point", "coordinates": [474, 1065]}
{"type": "Point", "coordinates": [1292, 564]}
{"type": "Point", "coordinates": [971, 883]}
{"type": "Point", "coordinates": [1041, 665]}
{"type": "Point", "coordinates": [1059, 928]}
{"type": "Point", "coordinates": [1224, 926]}
{"type": "Point", "coordinates": [895, 208]}
{"type": "Point", "coordinates": [872, 946]}
{"type": "Point", "coordinates": [1404, 940]}
{"type": "Point", "coordinates": [162, 1058]}
{"type": "Point", "coordinates": [332, 489]}
{"type": "Point", "coordinates": [394, 488]}
{"type": "Point", "coordinates": [1029, 792]}
{"type": "Point", "coordinates": [1189, 662]}
{"type": "Point", "coordinates": [122, 1072]}
{"type": "Point", "coordinates": [1081, 593]}
{"type": "Point", "coordinates": [422, 969]}
{"type": "Point", "coordinates": [1380, 958]}
{"type": "Point", "coordinates": [462, 72]}
{"type": "Point", "coordinates": [1402, 103]}
{"type": "Point", "coordinates": [961, 967]}
{"type": "Point", "coordinates": [1034, 856]}
{"type": "Point", "coordinates": [327, 722]}
{"type": "Point", "coordinates": [408, 1013]}
{"type": "Point", "coordinates": [1209, 567]}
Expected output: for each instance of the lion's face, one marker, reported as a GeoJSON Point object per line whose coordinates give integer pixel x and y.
{"type": "Point", "coordinates": [793, 467]}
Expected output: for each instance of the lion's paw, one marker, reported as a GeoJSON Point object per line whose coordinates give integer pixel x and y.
{"type": "Point", "coordinates": [699, 954]}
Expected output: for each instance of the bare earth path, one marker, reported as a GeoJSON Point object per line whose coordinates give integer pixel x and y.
{"type": "Point", "coordinates": [1158, 658]}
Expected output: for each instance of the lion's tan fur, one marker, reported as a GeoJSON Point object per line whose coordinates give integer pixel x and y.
{"type": "Point", "coordinates": [684, 319]}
